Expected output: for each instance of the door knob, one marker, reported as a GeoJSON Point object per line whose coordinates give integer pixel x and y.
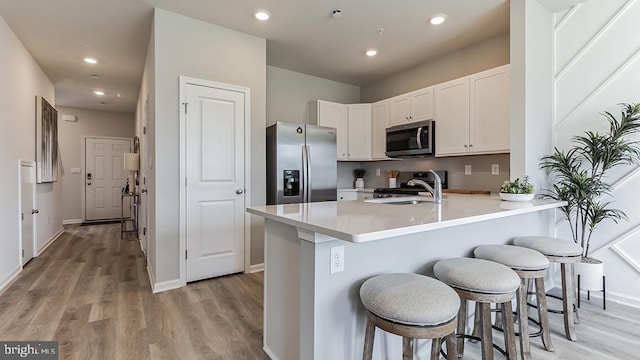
{"type": "Point", "coordinates": [239, 191]}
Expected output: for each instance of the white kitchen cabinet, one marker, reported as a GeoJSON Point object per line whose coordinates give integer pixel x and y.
{"type": "Point", "coordinates": [414, 106]}
{"type": "Point", "coordinates": [452, 117]}
{"type": "Point", "coordinates": [379, 124]}
{"type": "Point", "coordinates": [489, 128]}
{"type": "Point", "coordinates": [365, 195]}
{"type": "Point", "coordinates": [330, 114]}
{"type": "Point", "coordinates": [359, 132]}
{"type": "Point", "coordinates": [352, 123]}
{"type": "Point", "coordinates": [472, 114]}
{"type": "Point", "coordinates": [344, 195]}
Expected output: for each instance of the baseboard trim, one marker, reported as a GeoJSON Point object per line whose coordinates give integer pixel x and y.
{"type": "Point", "coordinates": [5, 284]}
{"type": "Point", "coordinates": [621, 299]}
{"type": "Point", "coordinates": [269, 353]}
{"type": "Point", "coordinates": [50, 241]}
{"type": "Point", "coordinates": [256, 268]}
{"type": "Point", "coordinates": [71, 221]}
{"type": "Point", "coordinates": [162, 286]}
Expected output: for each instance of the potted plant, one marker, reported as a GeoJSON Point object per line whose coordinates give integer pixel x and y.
{"type": "Point", "coordinates": [579, 178]}
{"type": "Point", "coordinates": [517, 190]}
{"type": "Point", "coordinates": [359, 174]}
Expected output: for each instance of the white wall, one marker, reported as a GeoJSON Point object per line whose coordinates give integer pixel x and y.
{"type": "Point", "coordinates": [70, 135]}
{"type": "Point", "coordinates": [289, 92]}
{"type": "Point", "coordinates": [189, 47]}
{"type": "Point", "coordinates": [484, 55]}
{"type": "Point", "coordinates": [596, 66]}
{"type": "Point", "coordinates": [531, 89]}
{"type": "Point", "coordinates": [22, 80]}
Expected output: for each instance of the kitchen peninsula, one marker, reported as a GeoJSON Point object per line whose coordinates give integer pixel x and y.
{"type": "Point", "coordinates": [310, 313]}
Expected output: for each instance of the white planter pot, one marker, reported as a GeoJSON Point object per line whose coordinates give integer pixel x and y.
{"type": "Point", "coordinates": [359, 183]}
{"type": "Point", "coordinates": [591, 272]}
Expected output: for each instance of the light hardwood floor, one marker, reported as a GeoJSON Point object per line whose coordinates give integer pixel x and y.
{"type": "Point", "coordinates": [90, 292]}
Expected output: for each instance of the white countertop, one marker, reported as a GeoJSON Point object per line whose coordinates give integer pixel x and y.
{"type": "Point", "coordinates": [360, 221]}
{"type": "Point", "coordinates": [367, 190]}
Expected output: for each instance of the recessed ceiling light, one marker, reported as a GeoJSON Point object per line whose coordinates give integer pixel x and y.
{"type": "Point", "coordinates": [90, 60]}
{"type": "Point", "coordinates": [438, 19]}
{"type": "Point", "coordinates": [262, 15]}
{"type": "Point", "coordinates": [98, 92]}
{"type": "Point", "coordinates": [371, 52]}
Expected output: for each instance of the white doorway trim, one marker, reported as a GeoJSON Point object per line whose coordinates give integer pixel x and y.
{"type": "Point", "coordinates": [184, 81]}
{"type": "Point", "coordinates": [31, 164]}
{"type": "Point", "coordinates": [83, 149]}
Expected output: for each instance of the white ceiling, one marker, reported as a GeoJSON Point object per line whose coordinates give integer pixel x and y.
{"type": "Point", "coordinates": [301, 36]}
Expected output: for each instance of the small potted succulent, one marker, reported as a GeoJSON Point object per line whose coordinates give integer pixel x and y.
{"type": "Point", "coordinates": [517, 190]}
{"type": "Point", "coordinates": [359, 174]}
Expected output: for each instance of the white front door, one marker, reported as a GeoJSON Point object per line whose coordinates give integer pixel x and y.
{"type": "Point", "coordinates": [215, 200]}
{"type": "Point", "coordinates": [104, 178]}
{"type": "Point", "coordinates": [28, 210]}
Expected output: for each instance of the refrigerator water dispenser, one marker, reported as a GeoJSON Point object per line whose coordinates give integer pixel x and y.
{"type": "Point", "coordinates": [291, 182]}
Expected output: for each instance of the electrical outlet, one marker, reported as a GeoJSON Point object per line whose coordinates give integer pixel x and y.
{"type": "Point", "coordinates": [337, 259]}
{"type": "Point", "coordinates": [495, 169]}
{"type": "Point", "coordinates": [467, 169]}
{"type": "Point", "coordinates": [378, 172]}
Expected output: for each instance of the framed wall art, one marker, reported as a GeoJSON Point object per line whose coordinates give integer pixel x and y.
{"type": "Point", "coordinates": [46, 141]}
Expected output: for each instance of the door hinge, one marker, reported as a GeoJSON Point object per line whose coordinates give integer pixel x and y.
{"type": "Point", "coordinates": [186, 256]}
{"type": "Point", "coordinates": [22, 252]}
{"type": "Point", "coordinates": [144, 130]}
{"type": "Point", "coordinates": [144, 231]}
{"type": "Point", "coordinates": [186, 104]}
{"type": "Point", "coordinates": [22, 214]}
{"type": "Point", "coordinates": [185, 181]}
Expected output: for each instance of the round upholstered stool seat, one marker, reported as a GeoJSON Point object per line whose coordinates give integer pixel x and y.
{"type": "Point", "coordinates": [566, 253]}
{"type": "Point", "coordinates": [412, 306]}
{"type": "Point", "coordinates": [515, 257]}
{"type": "Point", "coordinates": [484, 282]}
{"type": "Point", "coordinates": [477, 275]}
{"type": "Point", "coordinates": [528, 264]}
{"type": "Point", "coordinates": [550, 246]}
{"type": "Point", "coordinates": [410, 299]}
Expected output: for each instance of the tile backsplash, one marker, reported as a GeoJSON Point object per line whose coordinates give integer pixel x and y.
{"type": "Point", "coordinates": [480, 178]}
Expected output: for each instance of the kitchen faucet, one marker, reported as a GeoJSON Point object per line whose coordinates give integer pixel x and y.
{"type": "Point", "coordinates": [436, 190]}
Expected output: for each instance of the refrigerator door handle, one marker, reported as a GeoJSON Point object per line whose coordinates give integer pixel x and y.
{"type": "Point", "coordinates": [309, 187]}
{"type": "Point", "coordinates": [305, 174]}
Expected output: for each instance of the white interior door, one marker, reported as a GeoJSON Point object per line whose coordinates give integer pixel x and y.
{"type": "Point", "coordinates": [215, 200]}
{"type": "Point", "coordinates": [28, 210]}
{"type": "Point", "coordinates": [105, 178]}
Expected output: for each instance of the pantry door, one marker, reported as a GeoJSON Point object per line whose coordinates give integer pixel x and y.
{"type": "Point", "coordinates": [215, 198]}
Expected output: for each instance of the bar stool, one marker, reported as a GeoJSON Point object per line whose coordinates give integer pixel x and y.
{"type": "Point", "coordinates": [485, 282]}
{"type": "Point", "coordinates": [528, 264]}
{"type": "Point", "coordinates": [412, 306]}
{"type": "Point", "coordinates": [566, 253]}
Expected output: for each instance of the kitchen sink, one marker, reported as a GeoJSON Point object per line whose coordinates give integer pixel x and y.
{"type": "Point", "coordinates": [402, 200]}
{"type": "Point", "coordinates": [408, 202]}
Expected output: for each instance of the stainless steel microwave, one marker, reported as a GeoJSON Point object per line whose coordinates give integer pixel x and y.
{"type": "Point", "coordinates": [412, 139]}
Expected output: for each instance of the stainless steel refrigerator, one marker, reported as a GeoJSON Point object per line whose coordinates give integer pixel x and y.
{"type": "Point", "coordinates": [301, 163]}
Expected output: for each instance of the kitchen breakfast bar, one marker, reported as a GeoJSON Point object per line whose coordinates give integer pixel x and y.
{"type": "Point", "coordinates": [310, 313]}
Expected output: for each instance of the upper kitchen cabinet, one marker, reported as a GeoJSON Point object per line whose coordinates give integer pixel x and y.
{"type": "Point", "coordinates": [352, 124]}
{"type": "Point", "coordinates": [379, 124]}
{"type": "Point", "coordinates": [472, 114]}
{"type": "Point", "coordinates": [414, 106]}
{"type": "Point", "coordinates": [359, 132]}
